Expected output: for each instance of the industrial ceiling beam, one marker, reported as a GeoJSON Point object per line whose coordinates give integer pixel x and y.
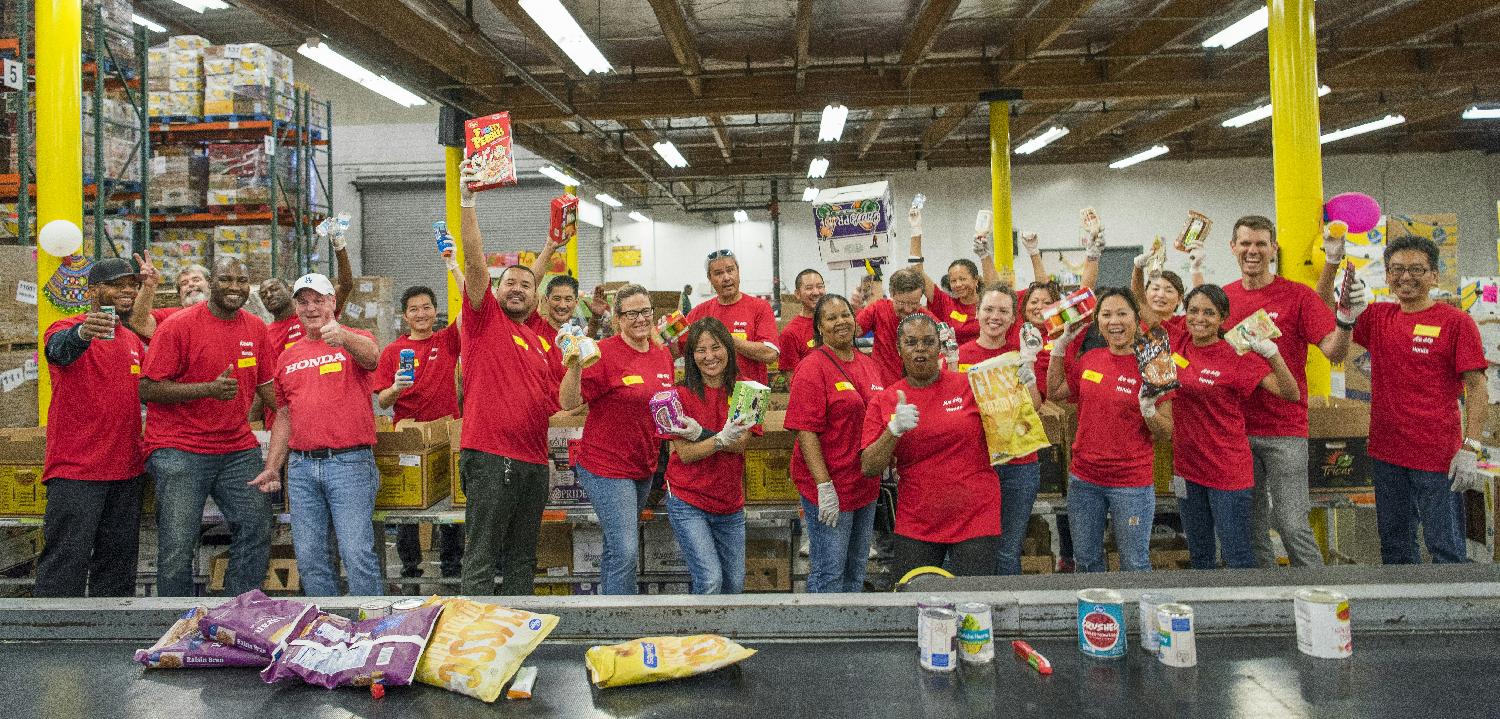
{"type": "Point", "coordinates": [803, 25]}
{"type": "Point", "coordinates": [1170, 23]}
{"type": "Point", "coordinates": [1042, 28]}
{"type": "Point", "coordinates": [930, 21]}
{"type": "Point", "coordinates": [872, 129]}
{"type": "Point", "coordinates": [939, 129]}
{"type": "Point", "coordinates": [674, 28]}
{"type": "Point", "coordinates": [534, 35]}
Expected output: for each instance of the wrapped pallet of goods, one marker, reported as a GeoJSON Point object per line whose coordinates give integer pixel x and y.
{"type": "Point", "coordinates": [250, 244]}
{"type": "Point", "coordinates": [371, 308]}
{"type": "Point", "coordinates": [120, 137]}
{"type": "Point", "coordinates": [175, 248]}
{"type": "Point", "coordinates": [174, 81]}
{"type": "Point", "coordinates": [179, 178]}
{"type": "Point", "coordinates": [244, 80]}
{"type": "Point", "coordinates": [115, 20]}
{"type": "Point", "coordinates": [119, 234]}
{"type": "Point", "coordinates": [240, 173]}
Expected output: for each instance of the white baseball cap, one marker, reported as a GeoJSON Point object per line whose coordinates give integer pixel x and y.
{"type": "Point", "coordinates": [313, 281]}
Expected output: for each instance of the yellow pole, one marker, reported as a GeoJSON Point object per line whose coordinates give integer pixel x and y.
{"type": "Point", "coordinates": [59, 150]}
{"type": "Point", "coordinates": [452, 156]}
{"type": "Point", "coordinates": [1297, 160]}
{"type": "Point", "coordinates": [1005, 256]}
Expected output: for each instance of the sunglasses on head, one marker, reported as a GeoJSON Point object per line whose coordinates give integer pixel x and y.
{"type": "Point", "coordinates": [720, 254]}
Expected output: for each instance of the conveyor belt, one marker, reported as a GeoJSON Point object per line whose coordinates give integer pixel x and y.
{"type": "Point", "coordinates": [1447, 675]}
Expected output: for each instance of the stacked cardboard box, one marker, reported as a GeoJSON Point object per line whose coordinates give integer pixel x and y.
{"type": "Point", "coordinates": [179, 178]}
{"type": "Point", "coordinates": [177, 247]}
{"type": "Point", "coordinates": [250, 244]}
{"type": "Point", "coordinates": [118, 136]}
{"type": "Point", "coordinates": [370, 307]}
{"type": "Point", "coordinates": [246, 79]}
{"type": "Point", "coordinates": [118, 30]}
{"type": "Point", "coordinates": [18, 387]}
{"type": "Point", "coordinates": [22, 451]}
{"type": "Point", "coordinates": [768, 462]}
{"type": "Point", "coordinates": [768, 565]}
{"type": "Point", "coordinates": [239, 174]}
{"type": "Point", "coordinates": [118, 232]}
{"type": "Point", "coordinates": [18, 294]}
{"type": "Point", "coordinates": [175, 77]}
{"type": "Point", "coordinates": [413, 463]}
{"type": "Point", "coordinates": [1338, 430]}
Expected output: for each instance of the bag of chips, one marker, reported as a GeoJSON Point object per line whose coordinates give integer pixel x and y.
{"type": "Point", "coordinates": [1153, 354]}
{"type": "Point", "coordinates": [183, 647]}
{"type": "Point", "coordinates": [477, 647]}
{"type": "Point", "coordinates": [256, 622]}
{"type": "Point", "coordinates": [1012, 427]}
{"type": "Point", "coordinates": [333, 651]}
{"type": "Point", "coordinates": [655, 659]}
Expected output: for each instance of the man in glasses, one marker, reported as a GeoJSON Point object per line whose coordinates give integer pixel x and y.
{"type": "Point", "coordinates": [748, 318]}
{"type": "Point", "coordinates": [1424, 357]}
{"type": "Point", "coordinates": [1277, 427]}
{"type": "Point", "coordinates": [883, 315]}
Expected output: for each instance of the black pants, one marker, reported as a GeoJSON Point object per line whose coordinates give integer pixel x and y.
{"type": "Point", "coordinates": [92, 532]}
{"type": "Point", "coordinates": [450, 549]}
{"type": "Point", "coordinates": [975, 557]}
{"type": "Point", "coordinates": [501, 521]}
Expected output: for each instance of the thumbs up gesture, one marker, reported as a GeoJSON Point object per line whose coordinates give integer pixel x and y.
{"type": "Point", "coordinates": [225, 386]}
{"type": "Point", "coordinates": [904, 419]}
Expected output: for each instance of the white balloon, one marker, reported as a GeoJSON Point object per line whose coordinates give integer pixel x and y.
{"type": "Point", "coordinates": [60, 238]}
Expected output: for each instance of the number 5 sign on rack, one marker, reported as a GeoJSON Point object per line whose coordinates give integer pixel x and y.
{"type": "Point", "coordinates": [14, 74]}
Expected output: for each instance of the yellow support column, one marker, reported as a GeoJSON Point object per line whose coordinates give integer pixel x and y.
{"type": "Point", "coordinates": [1004, 247]}
{"type": "Point", "coordinates": [1297, 158]}
{"type": "Point", "coordinates": [59, 151]}
{"type": "Point", "coordinates": [452, 156]}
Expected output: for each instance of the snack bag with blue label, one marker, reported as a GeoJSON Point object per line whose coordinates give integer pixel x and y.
{"type": "Point", "coordinates": [476, 647]}
{"type": "Point", "coordinates": [655, 659]}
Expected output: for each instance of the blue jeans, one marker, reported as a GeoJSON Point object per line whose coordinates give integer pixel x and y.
{"type": "Point", "coordinates": [618, 502]}
{"type": "Point", "coordinates": [713, 545]}
{"type": "Point", "coordinates": [341, 490]}
{"type": "Point", "coordinates": [1018, 487]}
{"type": "Point", "coordinates": [1226, 512]}
{"type": "Point", "coordinates": [1405, 498]}
{"type": "Point", "coordinates": [184, 482]}
{"type": "Point", "coordinates": [838, 555]}
{"type": "Point", "coordinates": [1131, 508]}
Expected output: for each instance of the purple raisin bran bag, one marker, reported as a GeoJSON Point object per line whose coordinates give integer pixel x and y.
{"type": "Point", "coordinates": [255, 622]}
{"type": "Point", "coordinates": [333, 651]}
{"type": "Point", "coordinates": [182, 647]}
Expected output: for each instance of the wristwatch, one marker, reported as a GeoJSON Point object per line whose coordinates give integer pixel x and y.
{"type": "Point", "coordinates": [915, 259]}
{"type": "Point", "coordinates": [1342, 324]}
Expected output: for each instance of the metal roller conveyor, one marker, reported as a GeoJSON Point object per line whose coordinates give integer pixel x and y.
{"type": "Point", "coordinates": [1426, 643]}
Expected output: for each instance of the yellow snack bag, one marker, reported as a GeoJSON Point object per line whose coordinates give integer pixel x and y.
{"type": "Point", "coordinates": [476, 647]}
{"type": "Point", "coordinates": [1012, 427]}
{"type": "Point", "coordinates": [654, 659]}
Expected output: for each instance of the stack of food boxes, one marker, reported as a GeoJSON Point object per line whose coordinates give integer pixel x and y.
{"type": "Point", "coordinates": [244, 80]}
{"type": "Point", "coordinates": [178, 247]}
{"type": "Point", "coordinates": [179, 178]}
{"type": "Point", "coordinates": [174, 80]}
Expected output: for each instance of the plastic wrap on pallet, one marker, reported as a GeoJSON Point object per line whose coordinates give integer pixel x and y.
{"type": "Point", "coordinates": [240, 173]}
{"type": "Point", "coordinates": [118, 128]}
{"type": "Point", "coordinates": [174, 81]}
{"type": "Point", "coordinates": [179, 177]}
{"type": "Point", "coordinates": [244, 80]}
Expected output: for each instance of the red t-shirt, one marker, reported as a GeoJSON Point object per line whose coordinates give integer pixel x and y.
{"type": "Point", "coordinates": [1113, 446]}
{"type": "Point", "coordinates": [160, 314]}
{"type": "Point", "coordinates": [510, 384]}
{"type": "Point", "coordinates": [541, 326]}
{"type": "Point", "coordinates": [826, 402]}
{"type": "Point", "coordinates": [1209, 444]}
{"type": "Point", "coordinates": [796, 342]}
{"type": "Point", "coordinates": [619, 436]}
{"type": "Point", "coordinates": [749, 319]}
{"type": "Point", "coordinates": [432, 395]}
{"type": "Point", "coordinates": [328, 395]}
{"type": "Point", "coordinates": [195, 346]}
{"type": "Point", "coordinates": [947, 492]}
{"type": "Point", "coordinates": [94, 419]}
{"type": "Point", "coordinates": [714, 484]}
{"type": "Point", "coordinates": [964, 319]}
{"type": "Point", "coordinates": [1417, 363]}
{"type": "Point", "coordinates": [880, 317]}
{"type": "Point", "coordinates": [284, 333]}
{"type": "Point", "coordinates": [1303, 320]}
{"type": "Point", "coordinates": [1175, 326]}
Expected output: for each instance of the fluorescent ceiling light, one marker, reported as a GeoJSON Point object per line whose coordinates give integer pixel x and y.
{"type": "Point", "coordinates": [558, 23]}
{"type": "Point", "coordinates": [560, 176]}
{"type": "Point", "coordinates": [832, 127]}
{"type": "Point", "coordinates": [201, 5]}
{"type": "Point", "coordinates": [817, 167]}
{"type": "Point", "coordinates": [1247, 26]}
{"type": "Point", "coordinates": [638, 217]}
{"type": "Point", "coordinates": [608, 199]}
{"type": "Point", "coordinates": [1482, 113]}
{"type": "Point", "coordinates": [741, 216]}
{"type": "Point", "coordinates": [669, 152]}
{"type": "Point", "coordinates": [379, 84]}
{"type": "Point", "coordinates": [1371, 126]}
{"type": "Point", "coordinates": [148, 24]}
{"type": "Point", "coordinates": [590, 213]}
{"type": "Point", "coordinates": [1262, 112]}
{"type": "Point", "coordinates": [809, 193]}
{"type": "Point", "coordinates": [1138, 157]}
{"type": "Point", "coordinates": [1053, 134]}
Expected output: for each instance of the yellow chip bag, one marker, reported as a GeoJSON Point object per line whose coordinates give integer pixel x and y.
{"type": "Point", "coordinates": [476, 648]}
{"type": "Point", "coordinates": [655, 659]}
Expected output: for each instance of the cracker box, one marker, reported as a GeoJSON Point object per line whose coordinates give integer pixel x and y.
{"type": "Point", "coordinates": [853, 223]}
{"type": "Point", "coordinates": [487, 141]}
{"type": "Point", "coordinates": [749, 400]}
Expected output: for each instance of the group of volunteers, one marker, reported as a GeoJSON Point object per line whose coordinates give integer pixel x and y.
{"type": "Point", "coordinates": [898, 414]}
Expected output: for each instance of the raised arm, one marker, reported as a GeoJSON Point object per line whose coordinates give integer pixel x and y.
{"type": "Point", "coordinates": [476, 274]}
{"type": "Point", "coordinates": [914, 218]}
{"type": "Point", "coordinates": [1333, 256]}
{"type": "Point", "coordinates": [141, 322]}
{"type": "Point", "coordinates": [344, 285]}
{"type": "Point", "coordinates": [543, 261]}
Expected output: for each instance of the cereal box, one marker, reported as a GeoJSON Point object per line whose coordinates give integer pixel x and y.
{"type": "Point", "coordinates": [487, 141]}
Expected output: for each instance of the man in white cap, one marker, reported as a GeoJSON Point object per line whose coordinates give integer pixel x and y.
{"type": "Point", "coordinates": [325, 421]}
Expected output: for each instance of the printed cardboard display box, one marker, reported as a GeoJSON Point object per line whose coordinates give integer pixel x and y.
{"type": "Point", "coordinates": [22, 451]}
{"type": "Point", "coordinates": [768, 464]}
{"type": "Point", "coordinates": [1338, 430]}
{"type": "Point", "coordinates": [413, 461]}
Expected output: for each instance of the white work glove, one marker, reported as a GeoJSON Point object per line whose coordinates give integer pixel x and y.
{"type": "Point", "coordinates": [1195, 259]}
{"type": "Point", "coordinates": [731, 433]}
{"type": "Point", "coordinates": [1027, 374]}
{"type": "Point", "coordinates": [1032, 243]}
{"type": "Point", "coordinates": [1353, 303]}
{"type": "Point", "coordinates": [1333, 241]}
{"type": "Point", "coordinates": [914, 218]}
{"type": "Point", "coordinates": [1060, 345]}
{"type": "Point", "coordinates": [689, 430]}
{"type": "Point", "coordinates": [467, 173]}
{"type": "Point", "coordinates": [1464, 471]}
{"type": "Point", "coordinates": [338, 234]}
{"type": "Point", "coordinates": [983, 248]}
{"type": "Point", "coordinates": [828, 504]}
{"type": "Point", "coordinates": [1148, 404]}
{"type": "Point", "coordinates": [1264, 347]}
{"type": "Point", "coordinates": [1141, 259]}
{"type": "Point", "coordinates": [1096, 245]}
{"type": "Point", "coordinates": [1031, 343]}
{"type": "Point", "coordinates": [904, 419]}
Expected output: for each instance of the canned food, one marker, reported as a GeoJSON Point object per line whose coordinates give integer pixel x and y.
{"type": "Point", "coordinates": [1178, 647]}
{"type": "Point", "coordinates": [374, 609]}
{"type": "Point", "coordinates": [1101, 623]}
{"type": "Point", "coordinates": [109, 310]}
{"type": "Point", "coordinates": [408, 365]}
{"type": "Point", "coordinates": [406, 605]}
{"type": "Point", "coordinates": [937, 633]}
{"type": "Point", "coordinates": [1323, 623]}
{"type": "Point", "coordinates": [976, 640]}
{"type": "Point", "coordinates": [1147, 615]}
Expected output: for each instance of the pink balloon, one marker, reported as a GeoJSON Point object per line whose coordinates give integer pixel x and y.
{"type": "Point", "coordinates": [1356, 209]}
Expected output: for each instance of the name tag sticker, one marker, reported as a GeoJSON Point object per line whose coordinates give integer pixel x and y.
{"type": "Point", "coordinates": [809, 343]}
{"type": "Point", "coordinates": [1092, 376]}
{"type": "Point", "coordinates": [961, 317]}
{"type": "Point", "coordinates": [739, 335]}
{"type": "Point", "coordinates": [520, 342]}
{"type": "Point", "coordinates": [1179, 359]}
{"type": "Point", "coordinates": [965, 367]}
{"type": "Point", "coordinates": [246, 362]}
{"type": "Point", "coordinates": [1426, 330]}
{"type": "Point", "coordinates": [631, 379]}
{"type": "Point", "coordinates": [842, 386]}
{"type": "Point", "coordinates": [135, 369]}
{"type": "Point", "coordinates": [330, 368]}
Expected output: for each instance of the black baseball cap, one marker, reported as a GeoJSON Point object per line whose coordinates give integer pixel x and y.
{"type": "Point", "coordinates": [110, 269]}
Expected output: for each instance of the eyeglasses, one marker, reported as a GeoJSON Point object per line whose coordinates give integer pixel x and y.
{"type": "Point", "coordinates": [1417, 272]}
{"type": "Point", "coordinates": [720, 254]}
{"type": "Point", "coordinates": [637, 314]}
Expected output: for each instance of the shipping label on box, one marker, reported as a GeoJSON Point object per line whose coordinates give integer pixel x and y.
{"type": "Point", "coordinates": [853, 223]}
